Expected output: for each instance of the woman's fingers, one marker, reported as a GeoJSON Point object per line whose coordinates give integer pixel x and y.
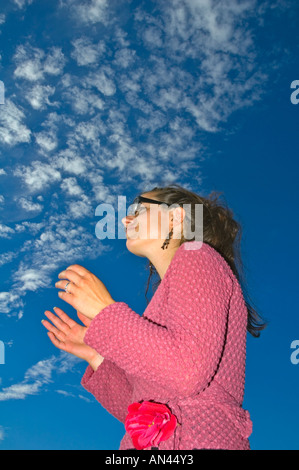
{"type": "Point", "coordinates": [80, 270]}
{"type": "Point", "coordinates": [71, 275]}
{"type": "Point", "coordinates": [69, 298]}
{"type": "Point", "coordinates": [61, 325]}
{"type": "Point", "coordinates": [56, 342]}
{"type": "Point", "coordinates": [64, 317]}
{"type": "Point", "coordinates": [72, 288]}
{"type": "Point", "coordinates": [58, 334]}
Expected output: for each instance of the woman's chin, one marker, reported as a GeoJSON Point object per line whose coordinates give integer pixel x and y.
{"type": "Point", "coordinates": [135, 245]}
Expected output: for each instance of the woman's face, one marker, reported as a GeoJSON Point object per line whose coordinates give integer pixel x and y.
{"type": "Point", "coordinates": [147, 230]}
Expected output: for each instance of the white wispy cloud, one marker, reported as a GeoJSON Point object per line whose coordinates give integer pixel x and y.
{"type": "Point", "coordinates": [71, 187]}
{"type": "Point", "coordinates": [89, 11]}
{"type": "Point", "coordinates": [11, 303]}
{"type": "Point", "coordinates": [13, 131]}
{"type": "Point", "coordinates": [80, 209]}
{"type": "Point", "coordinates": [29, 206]}
{"type": "Point", "coordinates": [47, 141]}
{"type": "Point", "coordinates": [7, 257]}
{"type": "Point", "coordinates": [38, 96]}
{"type": "Point", "coordinates": [124, 57]}
{"type": "Point", "coordinates": [6, 231]}
{"type": "Point", "coordinates": [29, 227]}
{"type": "Point", "coordinates": [153, 37]}
{"type": "Point", "coordinates": [34, 64]}
{"type": "Point", "coordinates": [87, 53]}
{"type": "Point", "coordinates": [87, 134]}
{"type": "Point", "coordinates": [29, 63]}
{"type": "Point", "coordinates": [224, 74]}
{"type": "Point", "coordinates": [57, 242]}
{"type": "Point", "coordinates": [83, 101]}
{"type": "Point", "coordinates": [38, 175]}
{"type": "Point", "coordinates": [38, 376]}
{"type": "Point", "coordinates": [70, 161]}
{"type": "Point", "coordinates": [22, 3]}
{"type": "Point", "coordinates": [29, 279]}
{"type": "Point", "coordinates": [102, 80]}
{"type": "Point", "coordinates": [73, 395]}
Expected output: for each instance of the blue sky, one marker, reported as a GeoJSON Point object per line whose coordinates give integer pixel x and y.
{"type": "Point", "coordinates": [104, 99]}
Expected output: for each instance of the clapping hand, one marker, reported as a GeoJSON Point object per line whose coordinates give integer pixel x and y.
{"type": "Point", "coordinates": [84, 291]}
{"type": "Point", "coordinates": [68, 335]}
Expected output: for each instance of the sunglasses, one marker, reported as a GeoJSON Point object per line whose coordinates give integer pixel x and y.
{"type": "Point", "coordinates": [139, 208]}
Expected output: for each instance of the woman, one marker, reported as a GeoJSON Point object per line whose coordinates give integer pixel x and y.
{"type": "Point", "coordinates": [175, 375]}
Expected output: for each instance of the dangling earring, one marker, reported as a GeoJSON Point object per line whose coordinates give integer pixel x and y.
{"type": "Point", "coordinates": [166, 242]}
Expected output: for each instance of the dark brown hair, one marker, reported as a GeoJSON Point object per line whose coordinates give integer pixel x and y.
{"type": "Point", "coordinates": [220, 230]}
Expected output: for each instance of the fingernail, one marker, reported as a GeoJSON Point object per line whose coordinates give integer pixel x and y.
{"type": "Point", "coordinates": [54, 308]}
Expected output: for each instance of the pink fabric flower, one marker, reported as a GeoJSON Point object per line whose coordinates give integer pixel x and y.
{"type": "Point", "coordinates": [149, 423]}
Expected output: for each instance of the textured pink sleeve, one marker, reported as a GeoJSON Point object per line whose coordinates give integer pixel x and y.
{"type": "Point", "coordinates": [110, 387]}
{"type": "Point", "coordinates": [184, 354]}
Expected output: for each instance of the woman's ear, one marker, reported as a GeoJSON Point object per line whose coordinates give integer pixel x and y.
{"type": "Point", "coordinates": [178, 215]}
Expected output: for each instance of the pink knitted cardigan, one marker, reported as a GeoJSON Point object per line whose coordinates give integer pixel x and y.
{"type": "Point", "coordinates": [187, 350]}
